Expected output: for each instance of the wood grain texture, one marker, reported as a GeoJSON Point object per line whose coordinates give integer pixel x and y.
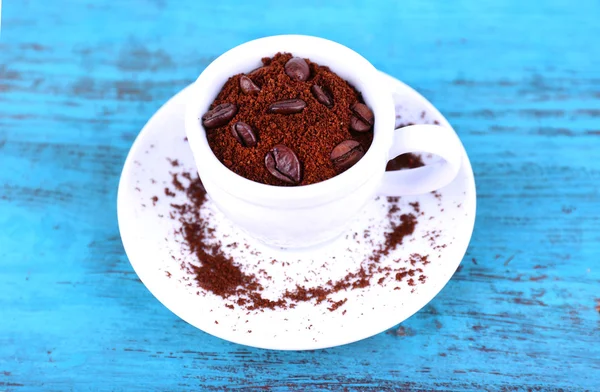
{"type": "Point", "coordinates": [519, 80]}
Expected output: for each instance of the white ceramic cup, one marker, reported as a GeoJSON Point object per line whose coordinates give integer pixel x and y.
{"type": "Point", "coordinates": [304, 216]}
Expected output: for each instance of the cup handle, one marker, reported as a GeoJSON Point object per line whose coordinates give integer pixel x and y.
{"type": "Point", "coordinates": [428, 139]}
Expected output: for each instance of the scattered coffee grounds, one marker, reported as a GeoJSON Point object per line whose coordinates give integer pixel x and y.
{"type": "Point", "coordinates": [405, 161]}
{"type": "Point", "coordinates": [173, 162]}
{"type": "Point", "coordinates": [216, 272]}
{"type": "Point", "coordinates": [395, 237]}
{"type": "Point", "coordinates": [408, 160]}
{"type": "Point", "coordinates": [219, 274]}
{"type": "Point", "coordinates": [169, 193]}
{"type": "Point", "coordinates": [280, 124]}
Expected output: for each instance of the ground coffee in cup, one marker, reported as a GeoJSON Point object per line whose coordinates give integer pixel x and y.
{"type": "Point", "coordinates": [289, 122]}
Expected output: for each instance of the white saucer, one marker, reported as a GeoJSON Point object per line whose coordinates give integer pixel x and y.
{"type": "Point", "coordinates": [156, 254]}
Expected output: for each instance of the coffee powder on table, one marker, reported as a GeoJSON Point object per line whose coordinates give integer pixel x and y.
{"type": "Point", "coordinates": [280, 124]}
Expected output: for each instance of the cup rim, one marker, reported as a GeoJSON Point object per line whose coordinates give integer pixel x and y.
{"type": "Point", "coordinates": [380, 102]}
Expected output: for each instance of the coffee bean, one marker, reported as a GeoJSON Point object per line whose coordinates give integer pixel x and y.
{"type": "Point", "coordinates": [346, 154]}
{"type": "Point", "coordinates": [358, 125]}
{"type": "Point", "coordinates": [244, 134]}
{"type": "Point", "coordinates": [363, 112]}
{"type": "Point", "coordinates": [297, 68]}
{"type": "Point", "coordinates": [363, 118]}
{"type": "Point", "coordinates": [322, 96]}
{"type": "Point", "coordinates": [219, 115]}
{"type": "Point", "coordinates": [247, 85]}
{"type": "Point", "coordinates": [258, 70]}
{"type": "Point", "coordinates": [287, 106]}
{"type": "Point", "coordinates": [283, 163]}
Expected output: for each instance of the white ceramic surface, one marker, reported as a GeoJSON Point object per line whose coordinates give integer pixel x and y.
{"type": "Point", "coordinates": [297, 217]}
{"type": "Point", "coordinates": [149, 240]}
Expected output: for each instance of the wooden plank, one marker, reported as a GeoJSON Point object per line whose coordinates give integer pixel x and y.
{"type": "Point", "coordinates": [520, 81]}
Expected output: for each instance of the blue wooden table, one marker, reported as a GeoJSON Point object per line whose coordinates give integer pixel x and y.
{"type": "Point", "coordinates": [519, 80]}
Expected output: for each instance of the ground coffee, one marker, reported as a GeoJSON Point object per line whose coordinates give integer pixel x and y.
{"type": "Point", "coordinates": [290, 122]}
{"type": "Point", "coordinates": [405, 161]}
{"type": "Point", "coordinates": [221, 275]}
